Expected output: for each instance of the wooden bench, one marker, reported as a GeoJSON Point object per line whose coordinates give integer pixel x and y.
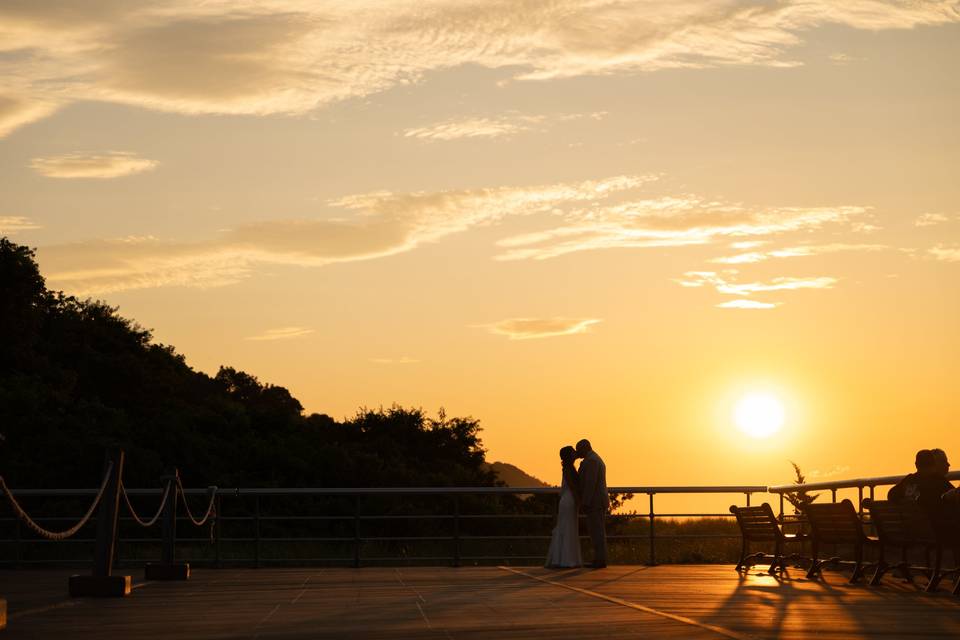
{"type": "Point", "coordinates": [836, 523]}
{"type": "Point", "coordinates": [906, 525]}
{"type": "Point", "coordinates": [758, 524]}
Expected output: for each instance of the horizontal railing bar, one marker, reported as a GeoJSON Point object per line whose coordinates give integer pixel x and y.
{"type": "Point", "coordinates": [377, 491]}
{"type": "Point", "coordinates": [854, 483]}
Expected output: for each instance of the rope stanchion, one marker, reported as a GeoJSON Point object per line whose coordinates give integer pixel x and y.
{"type": "Point", "coordinates": [152, 521]}
{"type": "Point", "coordinates": [57, 535]}
{"type": "Point", "coordinates": [169, 568]}
{"type": "Point", "coordinates": [101, 582]}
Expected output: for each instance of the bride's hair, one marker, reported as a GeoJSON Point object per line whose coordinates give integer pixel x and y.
{"type": "Point", "coordinates": [567, 456]}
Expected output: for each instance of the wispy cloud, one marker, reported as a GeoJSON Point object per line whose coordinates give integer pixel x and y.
{"type": "Point", "coordinates": [289, 56]}
{"type": "Point", "coordinates": [112, 164]}
{"type": "Point", "coordinates": [283, 333]}
{"type": "Point", "coordinates": [668, 221]}
{"type": "Point", "coordinates": [16, 111]}
{"type": "Point", "coordinates": [365, 227]}
{"type": "Point", "coordinates": [10, 225]}
{"type": "Point", "coordinates": [575, 216]}
{"type": "Point", "coordinates": [842, 59]}
{"type": "Point", "coordinates": [400, 360]}
{"type": "Point", "coordinates": [797, 252]}
{"type": "Point", "coordinates": [829, 473]}
{"type": "Point", "coordinates": [724, 283]}
{"type": "Point", "coordinates": [493, 127]}
{"type": "Point", "coordinates": [930, 219]}
{"type": "Point", "coordinates": [747, 304]}
{"type": "Point", "coordinates": [531, 328]}
{"type": "Point", "coordinates": [945, 253]}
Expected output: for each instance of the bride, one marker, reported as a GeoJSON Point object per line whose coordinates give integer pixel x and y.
{"type": "Point", "coordinates": [565, 543]}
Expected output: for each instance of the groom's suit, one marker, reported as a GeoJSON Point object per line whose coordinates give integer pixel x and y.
{"type": "Point", "coordinates": [595, 501]}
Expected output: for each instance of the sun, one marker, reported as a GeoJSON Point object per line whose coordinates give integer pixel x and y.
{"type": "Point", "coordinates": [759, 415]}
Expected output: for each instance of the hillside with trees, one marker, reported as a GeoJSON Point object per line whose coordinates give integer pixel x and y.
{"type": "Point", "coordinates": [77, 378]}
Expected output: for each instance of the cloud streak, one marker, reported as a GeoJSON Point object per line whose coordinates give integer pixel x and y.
{"type": "Point", "coordinates": [574, 216]}
{"type": "Point", "coordinates": [366, 226]}
{"type": "Point", "coordinates": [283, 333]}
{"type": "Point", "coordinates": [945, 253]}
{"type": "Point", "coordinates": [10, 225]}
{"type": "Point", "coordinates": [930, 219]}
{"type": "Point", "coordinates": [725, 284]}
{"type": "Point", "coordinates": [492, 127]}
{"type": "Point", "coordinates": [290, 57]}
{"type": "Point", "coordinates": [668, 221]}
{"type": "Point", "coordinates": [747, 304]}
{"type": "Point", "coordinates": [800, 251]}
{"type": "Point", "coordinates": [534, 328]}
{"type": "Point", "coordinates": [101, 166]}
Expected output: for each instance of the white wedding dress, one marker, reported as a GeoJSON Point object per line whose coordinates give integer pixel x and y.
{"type": "Point", "coordinates": [565, 543]}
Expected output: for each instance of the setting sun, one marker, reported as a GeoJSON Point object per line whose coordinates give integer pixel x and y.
{"type": "Point", "coordinates": [759, 415]}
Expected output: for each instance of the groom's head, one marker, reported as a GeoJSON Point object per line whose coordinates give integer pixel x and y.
{"type": "Point", "coordinates": [583, 448]}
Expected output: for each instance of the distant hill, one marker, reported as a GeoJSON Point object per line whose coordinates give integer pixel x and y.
{"type": "Point", "coordinates": [513, 476]}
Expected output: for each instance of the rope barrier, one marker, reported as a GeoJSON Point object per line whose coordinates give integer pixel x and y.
{"type": "Point", "coordinates": [56, 535]}
{"type": "Point", "coordinates": [211, 508]}
{"type": "Point", "coordinates": [140, 521]}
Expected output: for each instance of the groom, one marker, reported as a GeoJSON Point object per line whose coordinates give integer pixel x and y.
{"type": "Point", "coordinates": [594, 499]}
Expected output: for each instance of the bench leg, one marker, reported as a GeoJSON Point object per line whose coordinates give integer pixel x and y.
{"type": "Point", "coordinates": [881, 569]}
{"type": "Point", "coordinates": [743, 556]}
{"type": "Point", "coordinates": [814, 562]}
{"type": "Point", "coordinates": [858, 567]}
{"type": "Point", "coordinates": [936, 575]}
{"type": "Point", "coordinates": [777, 562]}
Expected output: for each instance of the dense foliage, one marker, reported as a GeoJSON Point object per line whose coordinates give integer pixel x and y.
{"type": "Point", "coordinates": [77, 378]}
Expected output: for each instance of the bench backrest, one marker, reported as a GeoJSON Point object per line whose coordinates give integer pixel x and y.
{"type": "Point", "coordinates": [757, 523]}
{"type": "Point", "coordinates": [902, 522]}
{"type": "Point", "coordinates": [890, 520]}
{"type": "Point", "coordinates": [834, 522]}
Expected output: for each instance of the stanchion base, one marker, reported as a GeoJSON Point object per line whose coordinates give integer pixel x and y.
{"type": "Point", "coordinates": [3, 613]}
{"type": "Point", "coordinates": [172, 571]}
{"type": "Point", "coordinates": [99, 586]}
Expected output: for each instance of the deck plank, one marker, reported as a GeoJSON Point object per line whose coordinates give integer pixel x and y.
{"type": "Point", "coordinates": [482, 602]}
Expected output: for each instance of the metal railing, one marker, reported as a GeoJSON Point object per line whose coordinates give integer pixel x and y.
{"type": "Point", "coordinates": [456, 530]}
{"type": "Point", "coordinates": [244, 523]}
{"type": "Point", "coordinates": [860, 484]}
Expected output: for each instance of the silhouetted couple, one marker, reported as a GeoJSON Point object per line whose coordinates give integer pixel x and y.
{"type": "Point", "coordinates": [583, 489]}
{"type": "Point", "coordinates": [930, 488]}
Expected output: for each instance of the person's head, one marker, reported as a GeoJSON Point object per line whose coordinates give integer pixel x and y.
{"type": "Point", "coordinates": [925, 461]}
{"type": "Point", "coordinates": [940, 465]}
{"type": "Point", "coordinates": [567, 455]}
{"type": "Point", "coordinates": [583, 448]}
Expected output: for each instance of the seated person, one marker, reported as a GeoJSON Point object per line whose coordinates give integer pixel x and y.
{"type": "Point", "coordinates": [928, 485]}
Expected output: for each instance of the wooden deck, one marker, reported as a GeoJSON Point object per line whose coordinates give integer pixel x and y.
{"type": "Point", "coordinates": [672, 601]}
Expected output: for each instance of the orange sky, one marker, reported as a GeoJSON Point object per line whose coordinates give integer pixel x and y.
{"type": "Point", "coordinates": [567, 219]}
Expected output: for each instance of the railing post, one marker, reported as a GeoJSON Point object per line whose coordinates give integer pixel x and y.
{"type": "Point", "coordinates": [168, 568]}
{"type": "Point", "coordinates": [860, 501]}
{"type": "Point", "coordinates": [169, 523]}
{"type": "Point", "coordinates": [256, 531]}
{"type": "Point", "coordinates": [456, 529]}
{"type": "Point", "coordinates": [356, 531]}
{"type": "Point", "coordinates": [833, 493]}
{"type": "Point", "coordinates": [748, 498]}
{"type": "Point", "coordinates": [17, 549]}
{"type": "Point", "coordinates": [652, 560]}
{"type": "Point", "coordinates": [217, 524]}
{"type": "Point", "coordinates": [101, 582]}
{"type": "Point", "coordinates": [781, 508]}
